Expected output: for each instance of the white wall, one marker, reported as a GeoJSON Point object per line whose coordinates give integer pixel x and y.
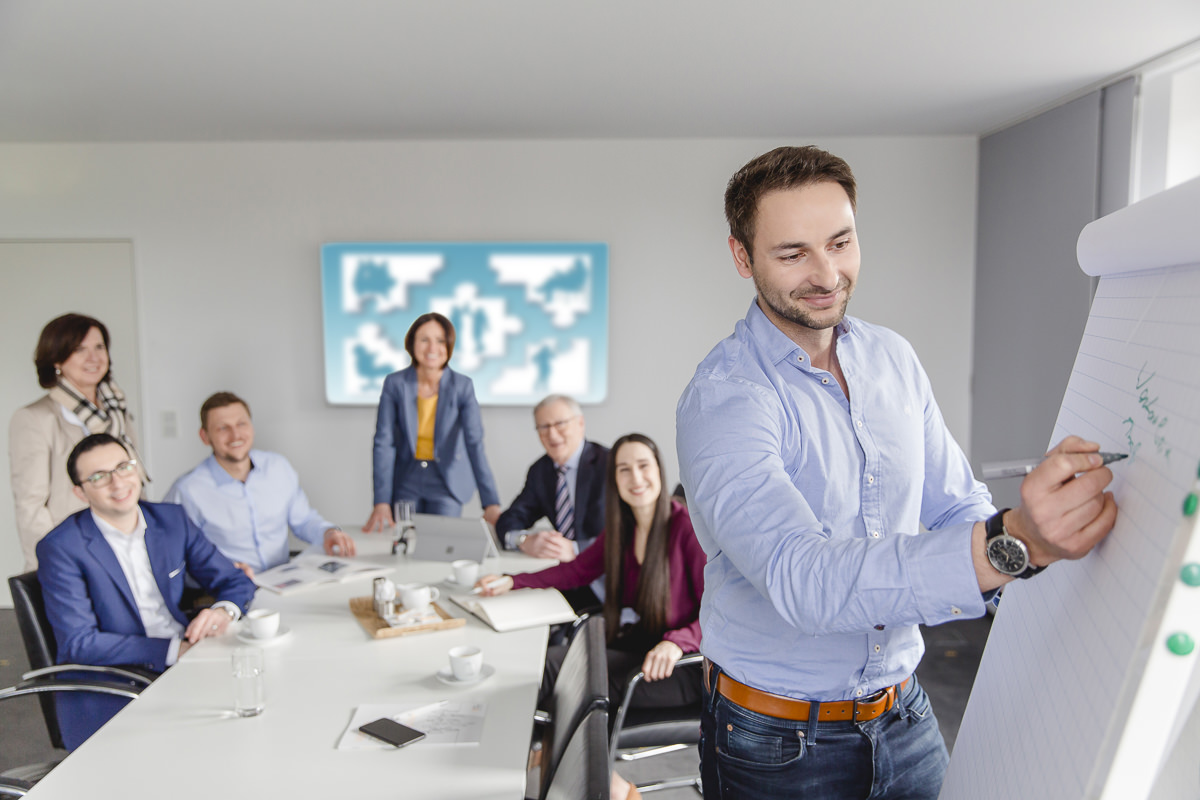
{"type": "Point", "coordinates": [226, 244]}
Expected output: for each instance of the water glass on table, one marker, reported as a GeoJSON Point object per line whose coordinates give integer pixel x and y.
{"type": "Point", "coordinates": [248, 695]}
{"type": "Point", "coordinates": [406, 526]}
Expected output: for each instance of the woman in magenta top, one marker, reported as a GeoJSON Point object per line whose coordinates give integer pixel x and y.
{"type": "Point", "coordinates": [653, 567]}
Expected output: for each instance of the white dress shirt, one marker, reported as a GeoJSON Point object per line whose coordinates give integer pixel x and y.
{"type": "Point", "coordinates": [131, 553]}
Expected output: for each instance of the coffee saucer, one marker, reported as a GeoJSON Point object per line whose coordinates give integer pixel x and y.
{"type": "Point", "coordinates": [451, 581]}
{"type": "Point", "coordinates": [246, 636]}
{"type": "Point", "coordinates": [446, 676]}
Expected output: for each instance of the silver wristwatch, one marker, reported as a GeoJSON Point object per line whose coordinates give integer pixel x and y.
{"type": "Point", "coordinates": [1007, 553]}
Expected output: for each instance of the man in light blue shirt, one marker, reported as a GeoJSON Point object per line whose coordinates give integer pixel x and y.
{"type": "Point", "coordinates": [245, 500]}
{"type": "Point", "coordinates": [813, 452]}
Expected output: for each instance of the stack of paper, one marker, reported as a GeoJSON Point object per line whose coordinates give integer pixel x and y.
{"type": "Point", "coordinates": [314, 569]}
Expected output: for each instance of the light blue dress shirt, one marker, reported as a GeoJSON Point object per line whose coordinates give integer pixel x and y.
{"type": "Point", "coordinates": [249, 521]}
{"type": "Point", "coordinates": [809, 506]}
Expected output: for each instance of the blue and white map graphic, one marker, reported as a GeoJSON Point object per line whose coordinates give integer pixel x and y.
{"type": "Point", "coordinates": [531, 318]}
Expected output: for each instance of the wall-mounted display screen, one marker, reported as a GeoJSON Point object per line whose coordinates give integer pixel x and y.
{"type": "Point", "coordinates": [531, 319]}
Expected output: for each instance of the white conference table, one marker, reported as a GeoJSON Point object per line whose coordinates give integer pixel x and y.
{"type": "Point", "coordinates": [180, 737]}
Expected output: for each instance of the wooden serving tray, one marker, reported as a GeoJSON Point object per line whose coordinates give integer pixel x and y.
{"type": "Point", "coordinates": [363, 609]}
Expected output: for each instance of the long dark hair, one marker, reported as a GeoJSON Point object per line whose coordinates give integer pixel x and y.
{"type": "Point", "coordinates": [653, 598]}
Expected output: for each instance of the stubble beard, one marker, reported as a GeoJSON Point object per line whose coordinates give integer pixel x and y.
{"type": "Point", "coordinates": [784, 306]}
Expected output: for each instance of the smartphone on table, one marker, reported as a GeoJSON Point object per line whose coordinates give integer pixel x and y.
{"type": "Point", "coordinates": [392, 732]}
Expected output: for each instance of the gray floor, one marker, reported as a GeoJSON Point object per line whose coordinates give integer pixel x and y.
{"type": "Point", "coordinates": [23, 738]}
{"type": "Point", "coordinates": [947, 672]}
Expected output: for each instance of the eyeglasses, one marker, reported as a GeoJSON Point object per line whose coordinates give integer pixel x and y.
{"type": "Point", "coordinates": [104, 477]}
{"type": "Point", "coordinates": [559, 426]}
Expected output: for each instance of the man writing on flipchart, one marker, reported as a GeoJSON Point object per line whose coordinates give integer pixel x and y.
{"type": "Point", "coordinates": [813, 451]}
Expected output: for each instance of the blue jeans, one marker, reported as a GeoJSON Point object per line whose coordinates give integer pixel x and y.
{"type": "Point", "coordinates": [744, 754]}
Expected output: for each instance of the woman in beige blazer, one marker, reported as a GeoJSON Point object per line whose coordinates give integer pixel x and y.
{"type": "Point", "coordinates": [72, 362]}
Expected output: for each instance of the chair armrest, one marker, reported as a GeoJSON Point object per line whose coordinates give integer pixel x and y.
{"type": "Point", "coordinates": [636, 677]}
{"type": "Point", "coordinates": [577, 623]}
{"type": "Point", "coordinates": [119, 673]}
{"type": "Point", "coordinates": [14, 787]}
{"type": "Point", "coordinates": [47, 685]}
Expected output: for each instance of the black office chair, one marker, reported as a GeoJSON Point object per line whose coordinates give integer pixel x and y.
{"type": "Point", "coordinates": [644, 732]}
{"type": "Point", "coordinates": [583, 773]}
{"type": "Point", "coordinates": [47, 678]}
{"type": "Point", "coordinates": [581, 687]}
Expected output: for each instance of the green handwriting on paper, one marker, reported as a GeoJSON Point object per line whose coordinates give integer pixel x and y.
{"type": "Point", "coordinates": [1147, 400]}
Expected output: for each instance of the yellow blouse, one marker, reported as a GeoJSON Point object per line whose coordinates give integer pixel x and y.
{"type": "Point", "coordinates": [426, 414]}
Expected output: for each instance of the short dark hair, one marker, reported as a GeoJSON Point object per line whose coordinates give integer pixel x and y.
{"type": "Point", "coordinates": [782, 168]}
{"type": "Point", "coordinates": [90, 443]}
{"type": "Point", "coordinates": [59, 339]}
{"type": "Point", "coordinates": [432, 316]}
{"type": "Point", "coordinates": [219, 400]}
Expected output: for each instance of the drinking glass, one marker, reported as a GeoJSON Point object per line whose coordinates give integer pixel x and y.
{"type": "Point", "coordinates": [406, 527]}
{"type": "Point", "coordinates": [248, 681]}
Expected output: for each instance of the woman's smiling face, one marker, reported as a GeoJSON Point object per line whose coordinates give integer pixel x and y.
{"type": "Point", "coordinates": [638, 480]}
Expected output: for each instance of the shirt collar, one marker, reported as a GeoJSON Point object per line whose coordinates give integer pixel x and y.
{"type": "Point", "coordinates": [775, 343]}
{"type": "Point", "coordinates": [573, 461]}
{"type": "Point", "coordinates": [109, 530]}
{"type": "Point", "coordinates": [220, 476]}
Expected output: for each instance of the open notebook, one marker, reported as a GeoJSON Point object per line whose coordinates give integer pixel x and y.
{"type": "Point", "coordinates": [522, 608]}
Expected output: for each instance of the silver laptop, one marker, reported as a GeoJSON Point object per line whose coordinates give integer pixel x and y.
{"type": "Point", "coordinates": [451, 538]}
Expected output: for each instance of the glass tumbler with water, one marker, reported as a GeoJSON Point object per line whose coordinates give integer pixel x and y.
{"type": "Point", "coordinates": [248, 681]}
{"type": "Point", "coordinates": [406, 526]}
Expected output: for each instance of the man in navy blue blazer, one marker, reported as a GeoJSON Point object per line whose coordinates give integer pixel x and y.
{"type": "Point", "coordinates": [560, 427]}
{"type": "Point", "coordinates": [112, 577]}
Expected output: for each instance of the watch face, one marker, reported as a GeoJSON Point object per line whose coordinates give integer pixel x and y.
{"type": "Point", "coordinates": [1008, 555]}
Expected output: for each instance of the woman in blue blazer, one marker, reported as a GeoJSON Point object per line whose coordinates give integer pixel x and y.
{"type": "Point", "coordinates": [428, 434]}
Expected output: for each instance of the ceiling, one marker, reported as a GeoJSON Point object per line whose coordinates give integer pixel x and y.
{"type": "Point", "coordinates": [168, 70]}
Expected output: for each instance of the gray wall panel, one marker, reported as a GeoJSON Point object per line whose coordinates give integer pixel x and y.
{"type": "Point", "coordinates": [1038, 185]}
{"type": "Point", "coordinates": [1116, 144]}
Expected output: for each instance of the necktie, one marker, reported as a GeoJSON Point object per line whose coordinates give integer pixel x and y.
{"type": "Point", "coordinates": [564, 512]}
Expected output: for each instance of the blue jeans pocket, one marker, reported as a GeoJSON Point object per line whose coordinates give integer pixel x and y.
{"type": "Point", "coordinates": [759, 742]}
{"type": "Point", "coordinates": [917, 706]}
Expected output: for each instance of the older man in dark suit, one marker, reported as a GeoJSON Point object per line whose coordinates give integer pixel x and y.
{"type": "Point", "coordinates": [566, 486]}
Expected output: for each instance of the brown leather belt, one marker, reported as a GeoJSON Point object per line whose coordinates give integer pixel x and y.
{"type": "Point", "coordinates": [774, 705]}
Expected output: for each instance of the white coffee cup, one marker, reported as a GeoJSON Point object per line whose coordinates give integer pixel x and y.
{"type": "Point", "coordinates": [465, 572]}
{"type": "Point", "coordinates": [416, 596]}
{"type": "Point", "coordinates": [264, 623]}
{"type": "Point", "coordinates": [466, 662]}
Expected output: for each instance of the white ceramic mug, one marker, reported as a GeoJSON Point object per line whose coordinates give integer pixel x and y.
{"type": "Point", "coordinates": [264, 623]}
{"type": "Point", "coordinates": [465, 572]}
{"type": "Point", "coordinates": [466, 662]}
{"type": "Point", "coordinates": [414, 596]}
